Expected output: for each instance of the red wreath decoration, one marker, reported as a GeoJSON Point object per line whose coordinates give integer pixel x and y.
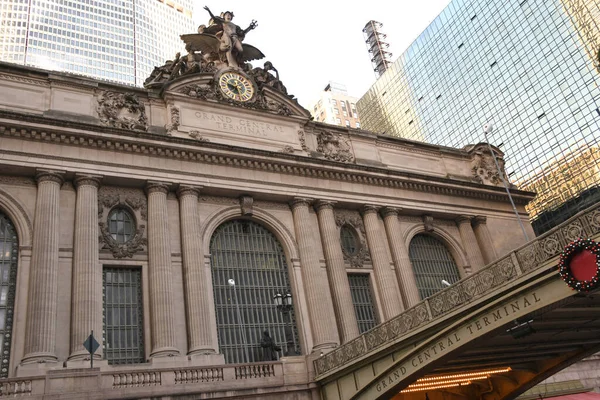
{"type": "Point", "coordinates": [579, 265]}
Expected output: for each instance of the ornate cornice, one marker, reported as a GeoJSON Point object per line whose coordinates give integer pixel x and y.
{"type": "Point", "coordinates": [49, 176]}
{"type": "Point", "coordinates": [203, 152]}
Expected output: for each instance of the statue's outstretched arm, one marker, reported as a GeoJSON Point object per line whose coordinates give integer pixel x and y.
{"type": "Point", "coordinates": [219, 19]}
{"type": "Point", "coordinates": [252, 25]}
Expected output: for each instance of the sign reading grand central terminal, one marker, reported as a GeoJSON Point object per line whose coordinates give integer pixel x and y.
{"type": "Point", "coordinates": [232, 123]}
{"type": "Point", "coordinates": [469, 330]}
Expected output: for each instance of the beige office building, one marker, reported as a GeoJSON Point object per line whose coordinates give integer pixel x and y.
{"type": "Point", "coordinates": [335, 107]}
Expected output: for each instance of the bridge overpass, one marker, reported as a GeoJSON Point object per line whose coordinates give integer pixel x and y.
{"type": "Point", "coordinates": [491, 336]}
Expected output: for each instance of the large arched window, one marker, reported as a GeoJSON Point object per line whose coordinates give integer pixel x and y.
{"type": "Point", "coordinates": [252, 256]}
{"type": "Point", "coordinates": [9, 246]}
{"type": "Point", "coordinates": [432, 263]}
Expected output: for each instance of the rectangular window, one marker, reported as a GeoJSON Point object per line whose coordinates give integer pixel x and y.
{"type": "Point", "coordinates": [360, 289]}
{"type": "Point", "coordinates": [123, 315]}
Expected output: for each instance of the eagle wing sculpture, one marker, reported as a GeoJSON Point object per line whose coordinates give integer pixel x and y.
{"type": "Point", "coordinates": [251, 53]}
{"type": "Point", "coordinates": [203, 42]}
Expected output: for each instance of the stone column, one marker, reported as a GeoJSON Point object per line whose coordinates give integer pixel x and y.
{"type": "Point", "coordinates": [86, 298]}
{"type": "Point", "coordinates": [162, 321]}
{"type": "Point", "coordinates": [318, 300]}
{"type": "Point", "coordinates": [404, 269]}
{"type": "Point", "coordinates": [389, 293]}
{"type": "Point", "coordinates": [197, 301]}
{"type": "Point", "coordinates": [484, 238]}
{"type": "Point", "coordinates": [470, 243]}
{"type": "Point", "coordinates": [40, 333]}
{"type": "Point", "coordinates": [336, 272]}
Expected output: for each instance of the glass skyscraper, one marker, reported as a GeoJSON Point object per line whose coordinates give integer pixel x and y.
{"type": "Point", "coordinates": [116, 40]}
{"type": "Point", "coordinates": [531, 67]}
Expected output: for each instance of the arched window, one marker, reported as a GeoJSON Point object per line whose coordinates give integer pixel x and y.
{"type": "Point", "coordinates": [252, 256]}
{"type": "Point", "coordinates": [9, 246]}
{"type": "Point", "coordinates": [121, 225]}
{"type": "Point", "coordinates": [432, 263]}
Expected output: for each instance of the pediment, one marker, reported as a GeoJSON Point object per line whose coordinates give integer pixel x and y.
{"type": "Point", "coordinates": [204, 87]}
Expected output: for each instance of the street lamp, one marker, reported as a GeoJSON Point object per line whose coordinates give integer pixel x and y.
{"type": "Point", "coordinates": [285, 305]}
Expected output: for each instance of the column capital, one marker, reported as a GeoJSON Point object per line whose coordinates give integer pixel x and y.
{"type": "Point", "coordinates": [86, 179]}
{"type": "Point", "coordinates": [188, 190]}
{"type": "Point", "coordinates": [324, 205]}
{"type": "Point", "coordinates": [300, 201]}
{"type": "Point", "coordinates": [46, 175]}
{"type": "Point", "coordinates": [370, 209]}
{"type": "Point", "coordinates": [390, 211]}
{"type": "Point", "coordinates": [479, 220]}
{"type": "Point", "coordinates": [462, 219]}
{"type": "Point", "coordinates": [154, 186]}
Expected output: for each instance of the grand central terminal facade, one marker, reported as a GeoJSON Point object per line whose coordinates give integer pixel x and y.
{"type": "Point", "coordinates": [171, 221]}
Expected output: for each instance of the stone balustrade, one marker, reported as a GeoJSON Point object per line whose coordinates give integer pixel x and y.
{"type": "Point", "coordinates": [117, 382]}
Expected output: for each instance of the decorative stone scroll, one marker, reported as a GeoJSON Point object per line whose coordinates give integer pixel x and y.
{"type": "Point", "coordinates": [122, 110]}
{"type": "Point", "coordinates": [353, 219]}
{"type": "Point", "coordinates": [133, 201]}
{"type": "Point", "coordinates": [246, 203]}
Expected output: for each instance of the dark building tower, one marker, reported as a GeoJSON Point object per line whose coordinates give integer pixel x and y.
{"type": "Point", "coordinates": [380, 57]}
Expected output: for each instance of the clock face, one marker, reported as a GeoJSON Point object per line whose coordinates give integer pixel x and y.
{"type": "Point", "coordinates": [236, 86]}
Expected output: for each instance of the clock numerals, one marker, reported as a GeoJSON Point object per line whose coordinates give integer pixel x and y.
{"type": "Point", "coordinates": [236, 87]}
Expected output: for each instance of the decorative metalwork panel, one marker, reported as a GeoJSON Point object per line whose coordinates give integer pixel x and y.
{"type": "Point", "coordinates": [360, 289]}
{"type": "Point", "coordinates": [253, 257]}
{"type": "Point", "coordinates": [9, 246]}
{"type": "Point", "coordinates": [123, 321]}
{"type": "Point", "coordinates": [432, 263]}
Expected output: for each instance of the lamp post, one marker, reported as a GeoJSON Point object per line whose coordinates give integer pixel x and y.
{"type": "Point", "coordinates": [284, 305]}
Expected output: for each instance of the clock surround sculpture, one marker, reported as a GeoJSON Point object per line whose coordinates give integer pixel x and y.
{"type": "Point", "coordinates": [218, 51]}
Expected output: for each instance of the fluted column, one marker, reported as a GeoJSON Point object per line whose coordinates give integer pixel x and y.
{"type": "Point", "coordinates": [162, 321]}
{"type": "Point", "coordinates": [86, 298]}
{"type": "Point", "coordinates": [336, 272]}
{"type": "Point", "coordinates": [470, 242]}
{"type": "Point", "coordinates": [40, 333]}
{"type": "Point", "coordinates": [404, 269]}
{"type": "Point", "coordinates": [197, 301]}
{"type": "Point", "coordinates": [484, 238]}
{"type": "Point", "coordinates": [318, 300]}
{"type": "Point", "coordinates": [391, 300]}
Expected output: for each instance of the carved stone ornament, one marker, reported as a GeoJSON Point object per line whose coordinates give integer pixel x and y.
{"type": "Point", "coordinates": [133, 201]}
{"type": "Point", "coordinates": [259, 102]}
{"type": "Point", "coordinates": [334, 147]}
{"type": "Point", "coordinates": [302, 139]}
{"type": "Point", "coordinates": [428, 222]}
{"type": "Point", "coordinates": [287, 149]}
{"type": "Point", "coordinates": [175, 120]}
{"type": "Point", "coordinates": [246, 203]}
{"type": "Point", "coordinates": [196, 135]}
{"type": "Point", "coordinates": [354, 220]}
{"type": "Point", "coordinates": [482, 164]}
{"type": "Point", "coordinates": [122, 110]}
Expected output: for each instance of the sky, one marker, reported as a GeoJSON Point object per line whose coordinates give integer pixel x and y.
{"type": "Point", "coordinates": [311, 42]}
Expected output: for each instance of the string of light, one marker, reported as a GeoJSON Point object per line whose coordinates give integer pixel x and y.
{"type": "Point", "coordinates": [451, 380]}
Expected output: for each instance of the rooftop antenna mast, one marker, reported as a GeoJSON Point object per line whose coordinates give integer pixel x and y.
{"type": "Point", "coordinates": [378, 48]}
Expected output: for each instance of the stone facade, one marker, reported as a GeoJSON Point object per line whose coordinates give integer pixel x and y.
{"type": "Point", "coordinates": [72, 149]}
